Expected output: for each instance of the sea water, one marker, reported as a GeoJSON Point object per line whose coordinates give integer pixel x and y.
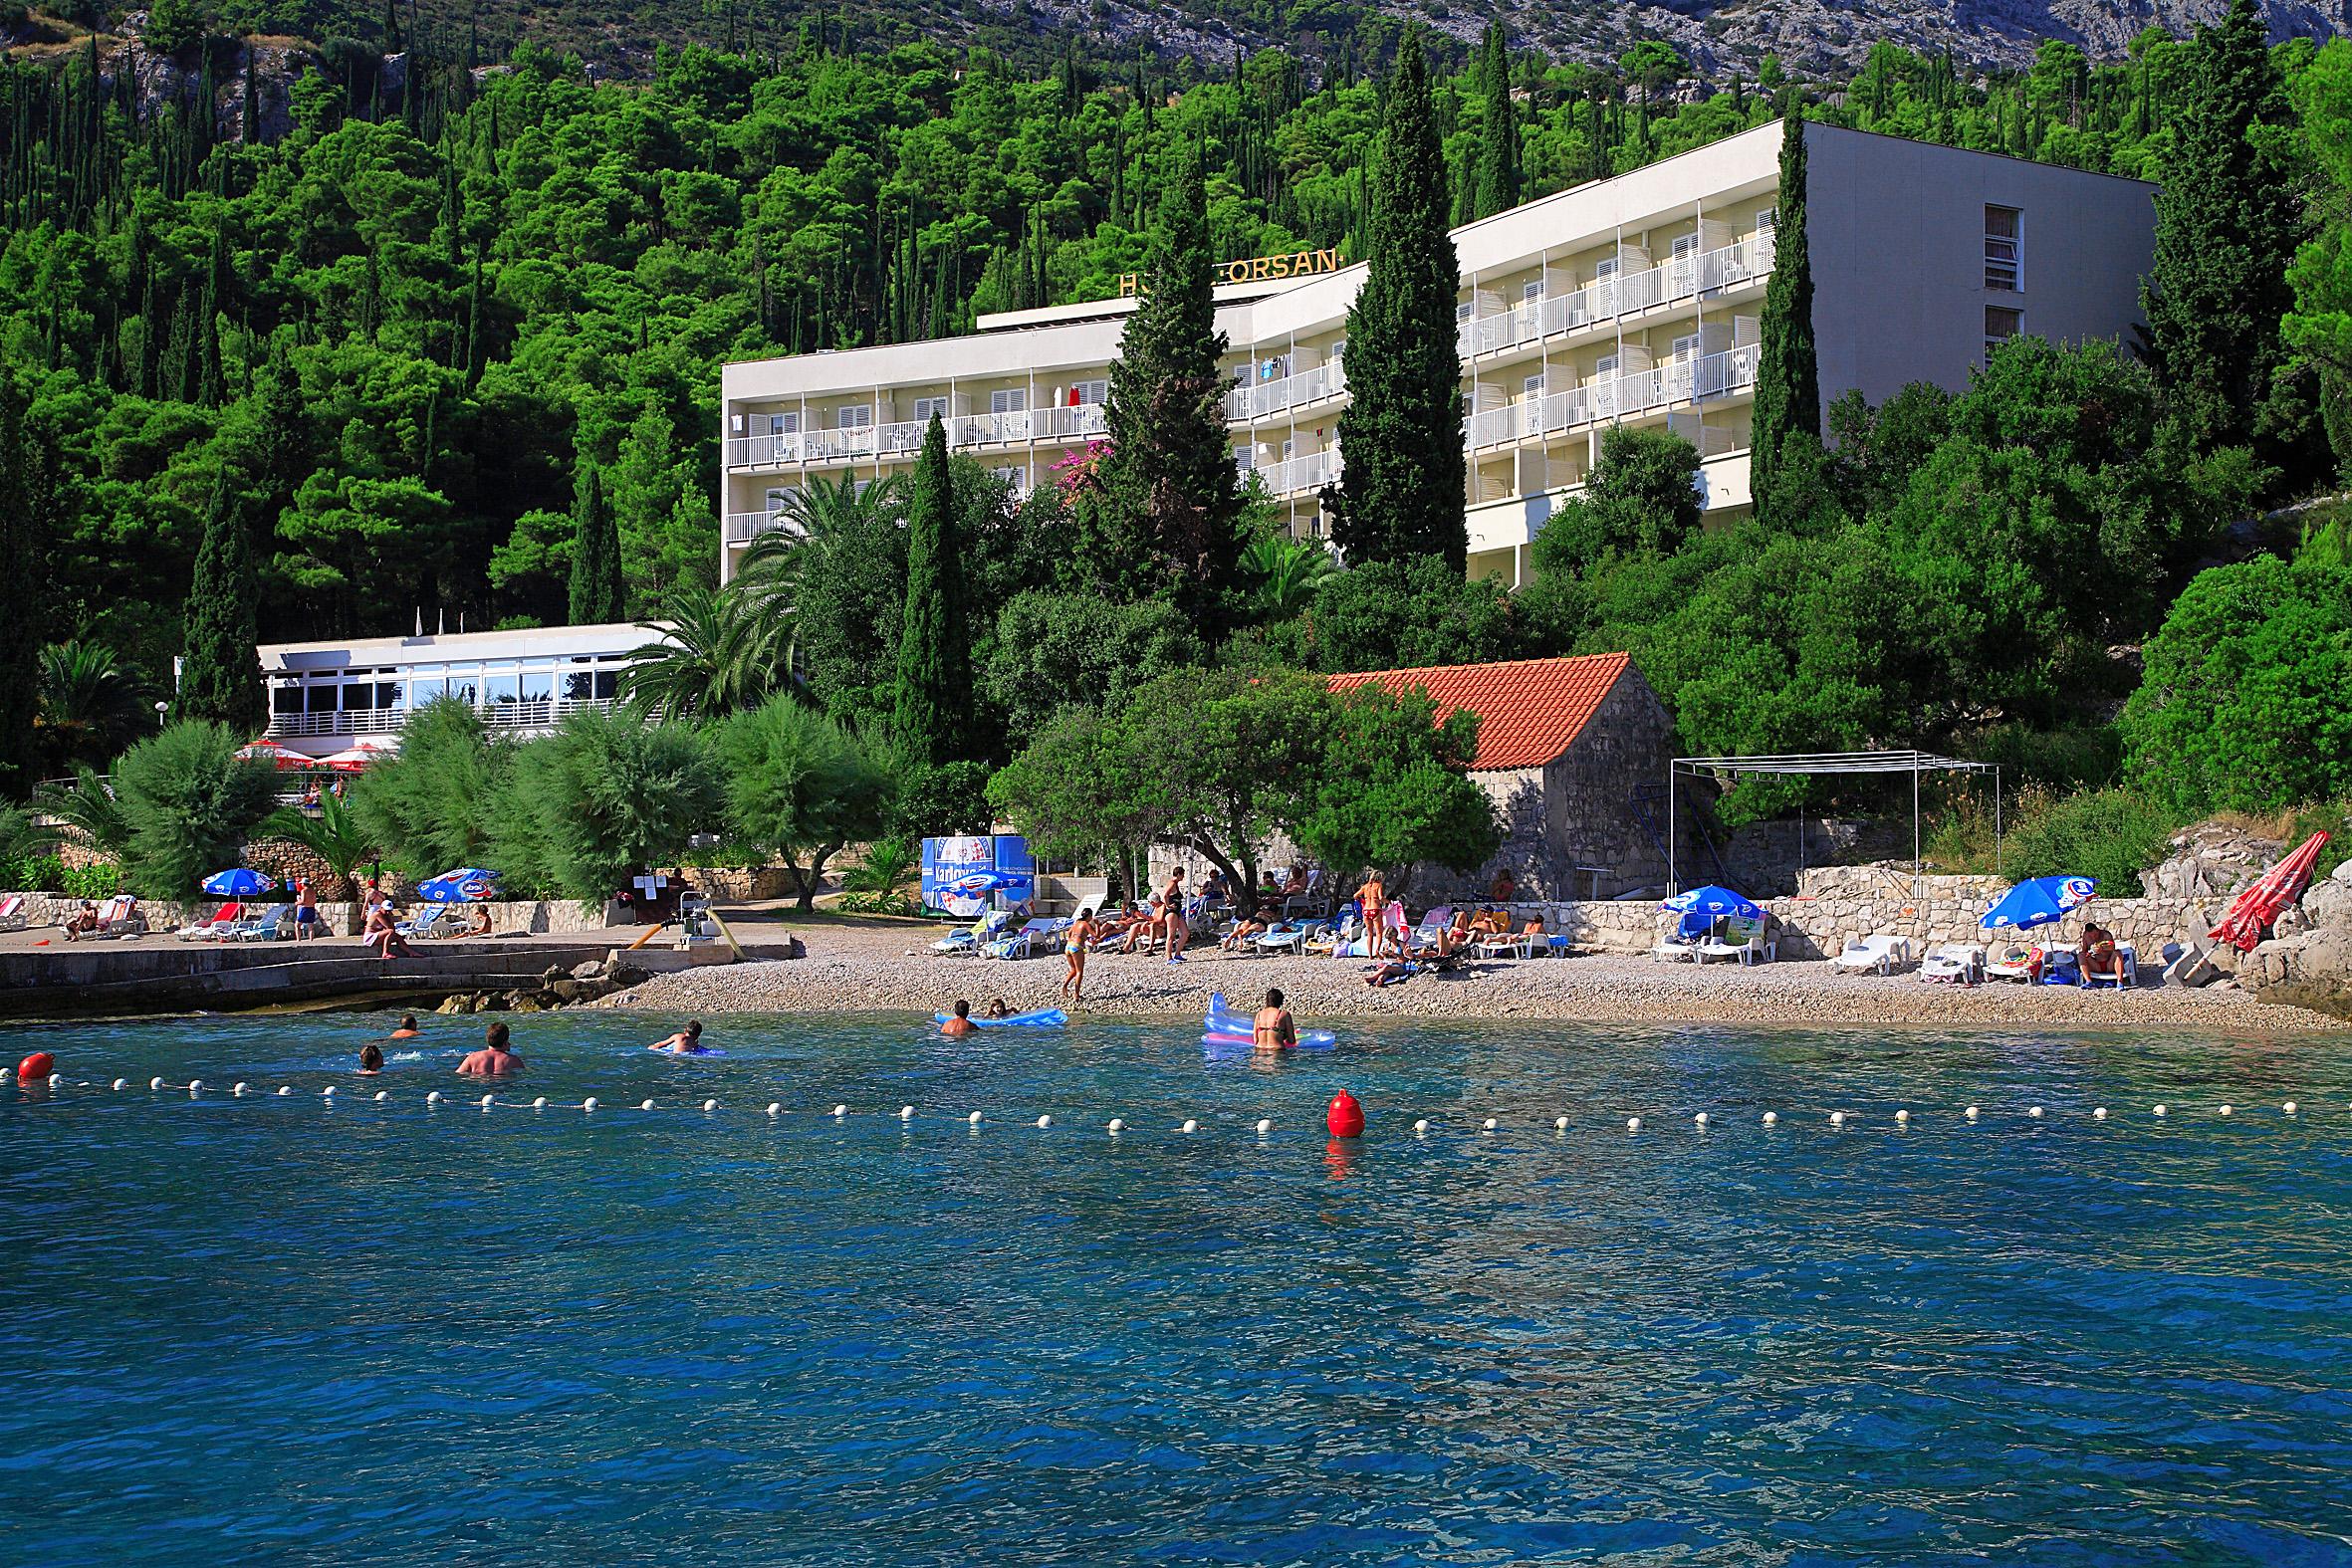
{"type": "Point", "coordinates": [311, 1329]}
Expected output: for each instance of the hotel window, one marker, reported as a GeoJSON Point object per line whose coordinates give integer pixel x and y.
{"type": "Point", "coordinates": [1530, 291]}
{"type": "Point", "coordinates": [854, 416]}
{"type": "Point", "coordinates": [778, 500]}
{"type": "Point", "coordinates": [1245, 457]}
{"type": "Point", "coordinates": [1767, 220]}
{"type": "Point", "coordinates": [1532, 388]}
{"type": "Point", "coordinates": [2005, 249]}
{"type": "Point", "coordinates": [783, 424]}
{"type": "Point", "coordinates": [2001, 325]}
{"type": "Point", "coordinates": [925, 407]}
{"type": "Point", "coordinates": [1085, 392]}
{"type": "Point", "coordinates": [1013, 401]}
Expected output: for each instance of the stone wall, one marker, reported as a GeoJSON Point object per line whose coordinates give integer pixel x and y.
{"type": "Point", "coordinates": [538, 917]}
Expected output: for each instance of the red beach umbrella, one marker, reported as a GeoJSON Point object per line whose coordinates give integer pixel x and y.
{"type": "Point", "coordinates": [2252, 911]}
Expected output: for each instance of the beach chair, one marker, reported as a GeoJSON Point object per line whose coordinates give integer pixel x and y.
{"type": "Point", "coordinates": [266, 924]}
{"type": "Point", "coordinates": [1953, 964]}
{"type": "Point", "coordinates": [1864, 953]}
{"type": "Point", "coordinates": [12, 912]}
{"type": "Point", "coordinates": [1345, 940]}
{"type": "Point", "coordinates": [432, 921]}
{"type": "Point", "coordinates": [1424, 938]}
{"type": "Point", "coordinates": [1690, 928]}
{"type": "Point", "coordinates": [121, 915]}
{"type": "Point", "coordinates": [1519, 943]}
{"type": "Point", "coordinates": [2010, 961]}
{"type": "Point", "coordinates": [1290, 937]}
{"type": "Point", "coordinates": [1027, 941]}
{"type": "Point", "coordinates": [223, 921]}
{"type": "Point", "coordinates": [966, 939]}
{"type": "Point", "coordinates": [2126, 974]}
{"type": "Point", "coordinates": [1310, 899]}
{"type": "Point", "coordinates": [1742, 938]}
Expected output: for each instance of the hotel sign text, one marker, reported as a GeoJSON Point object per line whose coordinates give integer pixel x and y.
{"type": "Point", "coordinates": [1254, 269]}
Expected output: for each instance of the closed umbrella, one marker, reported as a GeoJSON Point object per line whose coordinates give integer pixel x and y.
{"type": "Point", "coordinates": [2041, 901]}
{"type": "Point", "coordinates": [237, 882]}
{"type": "Point", "coordinates": [2252, 911]}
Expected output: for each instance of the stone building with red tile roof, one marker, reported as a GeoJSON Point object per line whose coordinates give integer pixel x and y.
{"type": "Point", "coordinates": [1563, 744]}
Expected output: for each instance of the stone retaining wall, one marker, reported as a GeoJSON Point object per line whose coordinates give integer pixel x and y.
{"type": "Point", "coordinates": [540, 917]}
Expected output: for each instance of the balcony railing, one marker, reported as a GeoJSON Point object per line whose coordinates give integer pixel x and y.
{"type": "Point", "coordinates": [904, 437]}
{"type": "Point", "coordinates": [1263, 399]}
{"type": "Point", "coordinates": [740, 528]}
{"type": "Point", "coordinates": [527, 712]}
{"type": "Point", "coordinates": [1676, 382]}
{"type": "Point", "coordinates": [1311, 472]}
{"type": "Point", "coordinates": [1606, 298]}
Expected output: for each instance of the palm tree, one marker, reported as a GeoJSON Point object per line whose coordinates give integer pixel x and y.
{"type": "Point", "coordinates": [92, 706]}
{"type": "Point", "coordinates": [1287, 571]}
{"type": "Point", "coordinates": [719, 652]}
{"type": "Point", "coordinates": [88, 805]}
{"type": "Point", "coordinates": [332, 836]}
{"type": "Point", "coordinates": [815, 518]}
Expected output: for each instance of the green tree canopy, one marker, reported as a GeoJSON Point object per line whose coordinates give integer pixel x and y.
{"type": "Point", "coordinates": [188, 801]}
{"type": "Point", "coordinates": [800, 784]}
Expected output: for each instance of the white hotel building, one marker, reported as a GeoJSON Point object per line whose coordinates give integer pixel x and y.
{"type": "Point", "coordinates": [1635, 299]}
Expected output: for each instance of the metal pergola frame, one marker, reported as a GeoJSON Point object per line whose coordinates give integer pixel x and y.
{"type": "Point", "coordinates": [1812, 762]}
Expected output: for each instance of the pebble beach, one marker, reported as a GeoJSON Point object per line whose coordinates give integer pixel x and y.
{"type": "Point", "coordinates": [888, 968]}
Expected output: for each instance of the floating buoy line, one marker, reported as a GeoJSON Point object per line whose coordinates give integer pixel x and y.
{"type": "Point", "coordinates": [1483, 1128]}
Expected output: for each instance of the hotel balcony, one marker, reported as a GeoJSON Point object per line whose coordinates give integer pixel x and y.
{"type": "Point", "coordinates": [1265, 399]}
{"type": "Point", "coordinates": [1643, 392]}
{"type": "Point", "coordinates": [523, 713]}
{"type": "Point", "coordinates": [904, 439]}
{"type": "Point", "coordinates": [1608, 300]}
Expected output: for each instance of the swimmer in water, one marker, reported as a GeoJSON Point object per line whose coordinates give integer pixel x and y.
{"type": "Point", "coordinates": [961, 1024]}
{"type": "Point", "coordinates": [1273, 1028]}
{"type": "Point", "coordinates": [998, 1009]}
{"type": "Point", "coordinates": [494, 1059]}
{"type": "Point", "coordinates": [408, 1030]}
{"type": "Point", "coordinates": [686, 1042]}
{"type": "Point", "coordinates": [371, 1059]}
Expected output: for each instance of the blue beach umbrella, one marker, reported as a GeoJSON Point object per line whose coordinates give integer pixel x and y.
{"type": "Point", "coordinates": [465, 885]}
{"type": "Point", "coordinates": [237, 882]}
{"type": "Point", "coordinates": [2040, 902]}
{"type": "Point", "coordinates": [1712, 900]}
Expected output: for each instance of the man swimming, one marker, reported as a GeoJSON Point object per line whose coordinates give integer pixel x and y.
{"type": "Point", "coordinates": [686, 1042]}
{"type": "Point", "coordinates": [408, 1030]}
{"type": "Point", "coordinates": [494, 1059]}
{"type": "Point", "coordinates": [961, 1024]}
{"type": "Point", "coordinates": [371, 1059]}
{"type": "Point", "coordinates": [1272, 1028]}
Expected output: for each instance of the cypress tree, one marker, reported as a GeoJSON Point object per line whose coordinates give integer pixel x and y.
{"type": "Point", "coordinates": [2228, 217]}
{"type": "Point", "coordinates": [220, 673]}
{"type": "Point", "coordinates": [1170, 507]}
{"type": "Point", "coordinates": [1787, 374]}
{"type": "Point", "coordinates": [1401, 494]}
{"type": "Point", "coordinates": [934, 712]}
{"type": "Point", "coordinates": [596, 597]}
{"type": "Point", "coordinates": [1498, 160]}
{"type": "Point", "coordinates": [24, 592]}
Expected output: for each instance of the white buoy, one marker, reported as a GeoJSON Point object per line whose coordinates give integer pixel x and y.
{"type": "Point", "coordinates": [1633, 1124]}
{"type": "Point", "coordinates": [1043, 1121]}
{"type": "Point", "coordinates": [2098, 1113]}
{"type": "Point", "coordinates": [2224, 1110]}
{"type": "Point", "coordinates": [2288, 1107]}
{"type": "Point", "coordinates": [1699, 1120]}
{"type": "Point", "coordinates": [489, 1100]}
{"type": "Point", "coordinates": [1970, 1114]}
{"type": "Point", "coordinates": [907, 1113]}
{"type": "Point", "coordinates": [326, 1093]}
{"type": "Point", "coordinates": [120, 1083]}
{"type": "Point", "coordinates": [1838, 1118]}
{"type": "Point", "coordinates": [1490, 1125]}
{"type": "Point", "coordinates": [1903, 1118]}
{"type": "Point", "coordinates": [538, 1104]}
{"type": "Point", "coordinates": [1421, 1128]}
{"type": "Point", "coordinates": [840, 1111]}
{"type": "Point", "coordinates": [195, 1087]}
{"type": "Point", "coordinates": [2035, 1113]}
{"type": "Point", "coordinates": [57, 1080]}
{"type": "Point", "coordinates": [588, 1104]}
{"type": "Point", "coordinates": [433, 1098]}
{"type": "Point", "coordinates": [708, 1105]}
{"type": "Point", "coordinates": [383, 1094]}
{"type": "Point", "coordinates": [644, 1105]}
{"type": "Point", "coordinates": [1190, 1126]}
{"type": "Point", "coordinates": [1559, 1124]}
{"type": "Point", "coordinates": [974, 1118]}
{"type": "Point", "coordinates": [1115, 1127]}
{"type": "Point", "coordinates": [239, 1090]}
{"type": "Point", "coordinates": [2160, 1110]}
{"type": "Point", "coordinates": [154, 1084]}
{"type": "Point", "coordinates": [775, 1108]}
{"type": "Point", "coordinates": [285, 1088]}
{"type": "Point", "coordinates": [1264, 1126]}
{"type": "Point", "coordinates": [1770, 1118]}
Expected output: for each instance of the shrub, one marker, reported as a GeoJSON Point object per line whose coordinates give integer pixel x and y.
{"type": "Point", "coordinates": [605, 797]}
{"type": "Point", "coordinates": [2111, 835]}
{"type": "Point", "coordinates": [433, 806]}
{"type": "Point", "coordinates": [799, 783]}
{"type": "Point", "coordinates": [188, 800]}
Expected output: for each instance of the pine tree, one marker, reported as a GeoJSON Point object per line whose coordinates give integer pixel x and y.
{"type": "Point", "coordinates": [1498, 146]}
{"type": "Point", "coordinates": [220, 674]}
{"type": "Point", "coordinates": [597, 596]}
{"type": "Point", "coordinates": [1401, 438]}
{"type": "Point", "coordinates": [1170, 511]}
{"type": "Point", "coordinates": [2228, 217]}
{"type": "Point", "coordinates": [934, 711]}
{"type": "Point", "coordinates": [1787, 374]}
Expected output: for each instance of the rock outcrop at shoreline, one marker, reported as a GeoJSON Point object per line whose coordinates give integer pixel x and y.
{"type": "Point", "coordinates": [2308, 963]}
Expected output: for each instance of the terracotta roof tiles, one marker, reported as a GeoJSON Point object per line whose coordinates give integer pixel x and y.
{"type": "Point", "coordinates": [1530, 710]}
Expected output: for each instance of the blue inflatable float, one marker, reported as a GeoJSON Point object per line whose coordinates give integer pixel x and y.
{"type": "Point", "coordinates": [1228, 1029]}
{"type": "Point", "coordinates": [1042, 1019]}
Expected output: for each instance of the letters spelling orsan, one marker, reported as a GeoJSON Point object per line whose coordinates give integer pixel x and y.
{"type": "Point", "coordinates": [1254, 269]}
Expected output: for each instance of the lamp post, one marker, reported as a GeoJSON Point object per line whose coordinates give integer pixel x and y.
{"type": "Point", "coordinates": [161, 709]}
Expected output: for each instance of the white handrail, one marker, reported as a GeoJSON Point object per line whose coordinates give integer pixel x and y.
{"type": "Point", "coordinates": [1605, 299]}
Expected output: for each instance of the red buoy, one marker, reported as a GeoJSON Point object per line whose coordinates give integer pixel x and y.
{"type": "Point", "coordinates": [35, 1068]}
{"type": "Point", "coordinates": [1345, 1118]}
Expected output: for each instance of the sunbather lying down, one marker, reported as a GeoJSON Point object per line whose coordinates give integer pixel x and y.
{"type": "Point", "coordinates": [1394, 972]}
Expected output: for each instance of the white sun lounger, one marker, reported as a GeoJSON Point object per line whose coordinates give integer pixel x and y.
{"type": "Point", "coordinates": [1953, 964]}
{"type": "Point", "coordinates": [1882, 954]}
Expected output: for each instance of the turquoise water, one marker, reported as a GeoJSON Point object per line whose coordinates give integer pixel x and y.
{"type": "Point", "coordinates": [282, 1330]}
